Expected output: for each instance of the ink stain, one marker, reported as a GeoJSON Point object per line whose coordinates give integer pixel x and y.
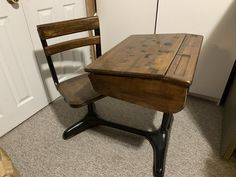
{"type": "Point", "coordinates": [167, 43]}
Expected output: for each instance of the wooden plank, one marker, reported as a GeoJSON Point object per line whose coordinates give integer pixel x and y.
{"type": "Point", "coordinates": [47, 31]}
{"type": "Point", "coordinates": [154, 94]}
{"type": "Point", "coordinates": [183, 67]}
{"type": "Point", "coordinates": [146, 56]}
{"type": "Point", "coordinates": [63, 46]}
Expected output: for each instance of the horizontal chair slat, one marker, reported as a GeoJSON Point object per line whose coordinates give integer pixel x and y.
{"type": "Point", "coordinates": [47, 31]}
{"type": "Point", "coordinates": [63, 46]}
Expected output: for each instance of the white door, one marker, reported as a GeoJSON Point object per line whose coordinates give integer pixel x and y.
{"type": "Point", "coordinates": [21, 89]}
{"type": "Point", "coordinates": [69, 63]}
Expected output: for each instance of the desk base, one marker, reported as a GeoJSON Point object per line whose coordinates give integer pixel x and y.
{"type": "Point", "coordinates": [158, 138]}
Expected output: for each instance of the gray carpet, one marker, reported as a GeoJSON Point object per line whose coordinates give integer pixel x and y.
{"type": "Point", "coordinates": [38, 150]}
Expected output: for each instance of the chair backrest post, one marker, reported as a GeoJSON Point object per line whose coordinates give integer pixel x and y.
{"type": "Point", "coordinates": [50, 63]}
{"type": "Point", "coordinates": [98, 46]}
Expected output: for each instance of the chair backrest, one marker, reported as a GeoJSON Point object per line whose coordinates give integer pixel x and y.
{"type": "Point", "coordinates": [62, 28]}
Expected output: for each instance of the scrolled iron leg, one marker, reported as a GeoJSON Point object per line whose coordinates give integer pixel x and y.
{"type": "Point", "coordinates": [159, 141]}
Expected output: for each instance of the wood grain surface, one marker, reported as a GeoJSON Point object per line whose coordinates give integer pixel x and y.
{"type": "Point", "coordinates": [71, 44]}
{"type": "Point", "coordinates": [163, 56]}
{"type": "Point", "coordinates": [150, 93]}
{"type": "Point", "coordinates": [78, 90]}
{"type": "Point", "coordinates": [51, 30]}
{"type": "Point", "coordinates": [154, 71]}
{"type": "Point", "coordinates": [184, 63]}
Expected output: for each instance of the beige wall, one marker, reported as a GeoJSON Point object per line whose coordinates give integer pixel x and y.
{"type": "Point", "coordinates": [216, 20]}
{"type": "Point", "coordinates": [121, 18]}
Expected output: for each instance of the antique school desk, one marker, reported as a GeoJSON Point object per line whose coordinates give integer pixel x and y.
{"type": "Point", "coordinates": [153, 71]}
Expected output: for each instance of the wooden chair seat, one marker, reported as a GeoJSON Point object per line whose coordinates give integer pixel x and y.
{"type": "Point", "coordinates": [78, 91]}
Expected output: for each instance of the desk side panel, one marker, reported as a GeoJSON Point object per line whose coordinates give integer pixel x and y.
{"type": "Point", "coordinates": [154, 94]}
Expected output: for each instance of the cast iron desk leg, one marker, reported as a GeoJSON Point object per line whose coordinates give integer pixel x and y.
{"type": "Point", "coordinates": [158, 138]}
{"type": "Point", "coordinates": [159, 141]}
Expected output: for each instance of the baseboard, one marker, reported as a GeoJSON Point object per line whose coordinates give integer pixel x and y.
{"type": "Point", "coordinates": [204, 97]}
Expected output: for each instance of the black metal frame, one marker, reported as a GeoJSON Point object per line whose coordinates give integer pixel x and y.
{"type": "Point", "coordinates": [158, 138]}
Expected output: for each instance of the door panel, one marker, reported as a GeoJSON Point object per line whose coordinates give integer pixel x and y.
{"type": "Point", "coordinates": [67, 64]}
{"type": "Point", "coordinates": [22, 92]}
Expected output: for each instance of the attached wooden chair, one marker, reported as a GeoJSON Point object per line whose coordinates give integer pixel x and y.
{"type": "Point", "coordinates": [76, 91]}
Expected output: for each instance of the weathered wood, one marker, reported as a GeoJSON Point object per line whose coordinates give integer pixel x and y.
{"type": "Point", "coordinates": [150, 70]}
{"type": "Point", "coordinates": [169, 56]}
{"type": "Point", "coordinates": [185, 61]}
{"type": "Point", "coordinates": [51, 30]}
{"type": "Point", "coordinates": [155, 94]}
{"type": "Point", "coordinates": [71, 44]}
{"type": "Point", "coordinates": [140, 56]}
{"type": "Point", "coordinates": [78, 91]}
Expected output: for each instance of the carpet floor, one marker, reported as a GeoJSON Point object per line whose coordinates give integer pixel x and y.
{"type": "Point", "coordinates": [38, 150]}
